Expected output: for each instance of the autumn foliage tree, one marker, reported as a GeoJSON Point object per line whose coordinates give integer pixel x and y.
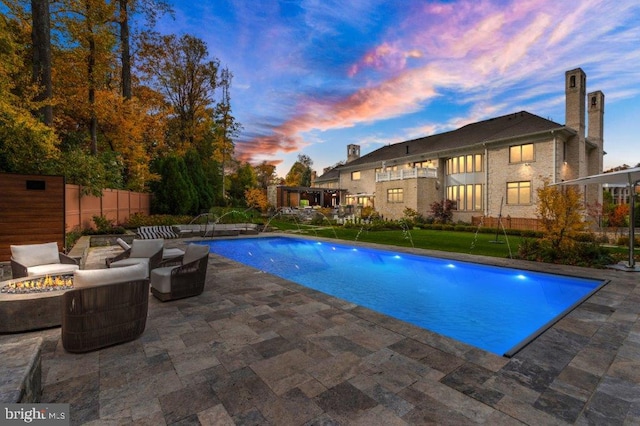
{"type": "Point", "coordinates": [117, 97]}
{"type": "Point", "coordinates": [561, 213]}
{"type": "Point", "coordinates": [256, 198]}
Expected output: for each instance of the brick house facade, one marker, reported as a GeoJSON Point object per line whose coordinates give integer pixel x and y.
{"type": "Point", "coordinates": [487, 167]}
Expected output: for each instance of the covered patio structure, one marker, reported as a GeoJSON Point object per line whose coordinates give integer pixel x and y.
{"type": "Point", "coordinates": [305, 196]}
{"type": "Point", "coordinates": [629, 178]}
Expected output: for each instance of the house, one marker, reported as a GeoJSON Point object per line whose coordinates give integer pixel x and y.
{"type": "Point", "coordinates": [487, 168]}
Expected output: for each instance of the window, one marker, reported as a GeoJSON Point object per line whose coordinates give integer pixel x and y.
{"type": "Point", "coordinates": [478, 162]}
{"type": "Point", "coordinates": [519, 192]}
{"type": "Point", "coordinates": [355, 175]}
{"type": "Point", "coordinates": [395, 195]}
{"type": "Point", "coordinates": [466, 197]}
{"type": "Point", "coordinates": [521, 153]}
{"type": "Point", "coordinates": [472, 163]}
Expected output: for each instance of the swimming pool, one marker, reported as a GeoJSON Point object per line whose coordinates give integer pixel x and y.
{"type": "Point", "coordinates": [496, 309]}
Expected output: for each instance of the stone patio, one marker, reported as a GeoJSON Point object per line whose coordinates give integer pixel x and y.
{"type": "Point", "coordinates": [257, 349]}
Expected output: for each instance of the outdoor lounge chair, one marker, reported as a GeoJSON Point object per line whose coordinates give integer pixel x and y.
{"type": "Point", "coordinates": [183, 280]}
{"type": "Point", "coordinates": [40, 259]}
{"type": "Point", "coordinates": [106, 307]}
{"type": "Point", "coordinates": [167, 253]}
{"type": "Point", "coordinates": [155, 232]}
{"type": "Point", "coordinates": [141, 251]}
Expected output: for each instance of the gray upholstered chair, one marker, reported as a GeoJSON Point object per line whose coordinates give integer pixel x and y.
{"type": "Point", "coordinates": [184, 280]}
{"type": "Point", "coordinates": [40, 259]}
{"type": "Point", "coordinates": [106, 307]}
{"type": "Point", "coordinates": [141, 251]}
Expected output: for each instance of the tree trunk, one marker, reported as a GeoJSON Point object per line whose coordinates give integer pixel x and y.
{"type": "Point", "coordinates": [125, 54]}
{"type": "Point", "coordinates": [41, 38]}
{"type": "Point", "coordinates": [91, 65]}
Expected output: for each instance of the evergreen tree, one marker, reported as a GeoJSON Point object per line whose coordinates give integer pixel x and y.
{"type": "Point", "coordinates": [174, 194]}
{"type": "Point", "coordinates": [204, 191]}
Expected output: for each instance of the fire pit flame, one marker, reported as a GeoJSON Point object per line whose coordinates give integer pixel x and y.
{"type": "Point", "coordinates": [39, 285]}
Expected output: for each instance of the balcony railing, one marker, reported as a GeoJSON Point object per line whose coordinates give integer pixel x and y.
{"type": "Point", "coordinates": [421, 172]}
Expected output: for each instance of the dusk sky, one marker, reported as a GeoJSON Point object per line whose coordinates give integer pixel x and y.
{"type": "Point", "coordinates": [312, 76]}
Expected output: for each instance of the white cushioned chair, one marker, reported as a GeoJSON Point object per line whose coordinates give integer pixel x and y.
{"type": "Point", "coordinates": [148, 252]}
{"type": "Point", "coordinates": [106, 307]}
{"type": "Point", "coordinates": [184, 280]}
{"type": "Point", "coordinates": [167, 253]}
{"type": "Point", "coordinates": [40, 259]}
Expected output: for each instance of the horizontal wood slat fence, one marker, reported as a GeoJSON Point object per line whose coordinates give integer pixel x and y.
{"type": "Point", "coordinates": [508, 223]}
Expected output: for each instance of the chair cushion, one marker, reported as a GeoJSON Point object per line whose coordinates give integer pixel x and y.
{"type": "Point", "coordinates": [122, 243]}
{"type": "Point", "coordinates": [170, 253]}
{"type": "Point", "coordinates": [35, 254]}
{"type": "Point", "coordinates": [95, 277]}
{"type": "Point", "coordinates": [130, 261]}
{"type": "Point", "coordinates": [161, 279]}
{"type": "Point", "coordinates": [146, 248]}
{"type": "Point", "coordinates": [52, 269]}
{"type": "Point", "coordinates": [194, 252]}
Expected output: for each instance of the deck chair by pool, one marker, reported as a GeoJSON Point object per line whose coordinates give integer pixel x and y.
{"type": "Point", "coordinates": [154, 232]}
{"type": "Point", "coordinates": [184, 280]}
{"type": "Point", "coordinates": [148, 252]}
{"type": "Point", "coordinates": [106, 307]}
{"type": "Point", "coordinates": [167, 253]}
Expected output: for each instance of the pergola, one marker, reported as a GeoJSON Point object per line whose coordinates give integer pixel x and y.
{"type": "Point", "coordinates": [629, 178]}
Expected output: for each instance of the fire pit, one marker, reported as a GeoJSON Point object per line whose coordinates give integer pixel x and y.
{"type": "Point", "coordinates": [39, 285]}
{"type": "Point", "coordinates": [32, 303]}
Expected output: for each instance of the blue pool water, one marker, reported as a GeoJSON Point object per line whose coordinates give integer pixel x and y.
{"type": "Point", "coordinates": [495, 309]}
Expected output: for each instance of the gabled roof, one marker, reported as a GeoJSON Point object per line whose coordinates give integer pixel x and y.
{"type": "Point", "coordinates": [491, 130]}
{"type": "Point", "coordinates": [331, 174]}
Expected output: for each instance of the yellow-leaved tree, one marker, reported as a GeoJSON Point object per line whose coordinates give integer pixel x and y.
{"type": "Point", "coordinates": [256, 198]}
{"type": "Point", "coordinates": [561, 212]}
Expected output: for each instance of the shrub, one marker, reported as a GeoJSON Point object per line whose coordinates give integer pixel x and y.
{"type": "Point", "coordinates": [72, 237]}
{"type": "Point", "coordinates": [580, 254]}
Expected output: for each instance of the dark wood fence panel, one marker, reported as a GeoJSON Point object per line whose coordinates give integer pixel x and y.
{"type": "Point", "coordinates": [32, 210]}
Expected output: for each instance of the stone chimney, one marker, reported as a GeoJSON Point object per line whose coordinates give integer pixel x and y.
{"type": "Point", "coordinates": [353, 152]}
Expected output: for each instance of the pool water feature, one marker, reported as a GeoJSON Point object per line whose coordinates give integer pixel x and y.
{"type": "Point", "coordinates": [493, 308]}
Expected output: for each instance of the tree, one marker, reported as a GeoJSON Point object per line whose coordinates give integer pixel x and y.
{"type": "Point", "coordinates": [178, 68]}
{"type": "Point", "coordinates": [442, 212]}
{"type": "Point", "coordinates": [88, 23]}
{"type": "Point", "coordinates": [243, 179]}
{"type": "Point", "coordinates": [227, 128]}
{"type": "Point", "coordinates": [204, 191]}
{"type": "Point", "coordinates": [41, 39]}
{"type": "Point", "coordinates": [256, 198]}
{"type": "Point", "coordinates": [26, 144]}
{"type": "Point", "coordinates": [174, 194]}
{"type": "Point", "coordinates": [300, 172]}
{"type": "Point", "coordinates": [265, 174]}
{"type": "Point", "coordinates": [151, 10]}
{"type": "Point", "coordinates": [561, 213]}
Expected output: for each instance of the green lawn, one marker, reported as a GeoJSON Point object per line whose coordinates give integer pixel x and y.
{"type": "Point", "coordinates": [452, 241]}
{"type": "Point", "coordinates": [459, 242]}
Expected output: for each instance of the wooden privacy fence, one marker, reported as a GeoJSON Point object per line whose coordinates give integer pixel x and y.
{"type": "Point", "coordinates": [40, 209]}
{"type": "Point", "coordinates": [508, 222]}
{"type": "Point", "coordinates": [31, 211]}
{"type": "Point", "coordinates": [115, 204]}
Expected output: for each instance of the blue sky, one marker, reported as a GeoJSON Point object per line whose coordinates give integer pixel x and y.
{"type": "Point", "coordinates": [312, 76]}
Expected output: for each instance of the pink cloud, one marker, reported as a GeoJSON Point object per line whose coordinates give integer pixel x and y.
{"type": "Point", "coordinates": [466, 45]}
